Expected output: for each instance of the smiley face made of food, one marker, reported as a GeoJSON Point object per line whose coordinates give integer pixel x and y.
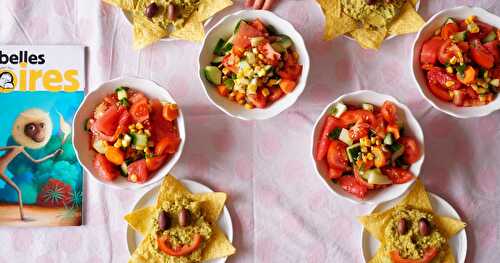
{"type": "Point", "coordinates": [410, 232]}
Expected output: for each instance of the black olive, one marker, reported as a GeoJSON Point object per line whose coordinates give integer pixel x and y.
{"type": "Point", "coordinates": [371, 2]}
{"type": "Point", "coordinates": [151, 10]}
{"type": "Point", "coordinates": [164, 220]}
{"type": "Point", "coordinates": [171, 12]}
{"type": "Point", "coordinates": [402, 226]}
{"type": "Point", "coordinates": [184, 217]}
{"type": "Point", "coordinates": [424, 226]}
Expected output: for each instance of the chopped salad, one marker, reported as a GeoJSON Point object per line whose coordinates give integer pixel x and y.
{"type": "Point", "coordinates": [462, 62]}
{"type": "Point", "coordinates": [255, 67]}
{"type": "Point", "coordinates": [132, 135]}
{"type": "Point", "coordinates": [365, 147]}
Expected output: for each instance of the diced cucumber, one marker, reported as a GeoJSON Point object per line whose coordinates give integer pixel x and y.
{"type": "Point", "coordinates": [243, 64]}
{"type": "Point", "coordinates": [495, 82]}
{"type": "Point", "coordinates": [490, 37]}
{"type": "Point", "coordinates": [367, 106]}
{"type": "Point", "coordinates": [229, 83]}
{"type": "Point", "coordinates": [271, 30]}
{"type": "Point", "coordinates": [338, 109]}
{"type": "Point", "coordinates": [449, 20]}
{"type": "Point", "coordinates": [389, 139]}
{"type": "Point", "coordinates": [278, 47]}
{"type": "Point", "coordinates": [140, 141]}
{"type": "Point", "coordinates": [250, 57]}
{"type": "Point", "coordinates": [213, 74]}
{"type": "Point", "coordinates": [285, 41]}
{"type": "Point", "coordinates": [124, 169]}
{"type": "Point", "coordinates": [219, 47]}
{"type": "Point", "coordinates": [121, 93]}
{"type": "Point", "coordinates": [229, 44]}
{"type": "Point", "coordinates": [459, 37]}
{"type": "Point", "coordinates": [100, 146]}
{"type": "Point", "coordinates": [375, 176]}
{"type": "Point", "coordinates": [237, 28]}
{"type": "Point", "coordinates": [400, 162]}
{"type": "Point", "coordinates": [344, 137]}
{"type": "Point", "coordinates": [335, 133]}
{"type": "Point", "coordinates": [217, 60]}
{"type": "Point", "coordinates": [399, 149]}
{"type": "Point", "coordinates": [353, 151]}
{"type": "Point", "coordinates": [255, 41]}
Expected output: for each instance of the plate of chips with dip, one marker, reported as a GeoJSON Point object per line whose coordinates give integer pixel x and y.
{"type": "Point", "coordinates": [370, 22]}
{"type": "Point", "coordinates": [156, 20]}
{"type": "Point", "coordinates": [180, 221]}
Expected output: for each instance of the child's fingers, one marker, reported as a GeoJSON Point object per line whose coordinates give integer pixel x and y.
{"type": "Point", "coordinates": [258, 4]}
{"type": "Point", "coordinates": [249, 3]}
{"type": "Point", "coordinates": [268, 4]}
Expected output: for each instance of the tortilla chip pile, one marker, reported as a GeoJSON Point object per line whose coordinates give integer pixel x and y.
{"type": "Point", "coordinates": [147, 31]}
{"type": "Point", "coordinates": [376, 223]}
{"type": "Point", "coordinates": [369, 33]}
{"type": "Point", "coordinates": [140, 220]}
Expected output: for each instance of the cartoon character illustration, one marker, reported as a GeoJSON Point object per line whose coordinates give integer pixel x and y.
{"type": "Point", "coordinates": [6, 80]}
{"type": "Point", "coordinates": [31, 130]}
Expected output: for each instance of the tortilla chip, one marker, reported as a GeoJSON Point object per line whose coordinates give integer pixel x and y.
{"type": "Point", "coordinates": [142, 253]}
{"type": "Point", "coordinates": [128, 5]}
{"type": "Point", "coordinates": [449, 226]}
{"type": "Point", "coordinates": [208, 8]}
{"type": "Point", "coordinates": [448, 256]}
{"type": "Point", "coordinates": [336, 22]}
{"type": "Point", "coordinates": [370, 38]}
{"type": "Point", "coordinates": [212, 205]}
{"type": "Point", "coordinates": [169, 188]}
{"type": "Point", "coordinates": [380, 257]}
{"type": "Point", "coordinates": [409, 21]}
{"type": "Point", "coordinates": [146, 32]}
{"type": "Point", "coordinates": [140, 219]}
{"type": "Point", "coordinates": [375, 223]}
{"type": "Point", "coordinates": [331, 7]}
{"type": "Point", "coordinates": [218, 245]}
{"type": "Point", "coordinates": [191, 31]}
{"type": "Point", "coordinates": [418, 198]}
{"type": "Point", "coordinates": [413, 2]}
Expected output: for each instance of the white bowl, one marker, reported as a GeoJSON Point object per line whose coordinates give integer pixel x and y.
{"type": "Point", "coordinates": [425, 33]}
{"type": "Point", "coordinates": [412, 128]}
{"type": "Point", "coordinates": [81, 140]}
{"type": "Point", "coordinates": [223, 29]}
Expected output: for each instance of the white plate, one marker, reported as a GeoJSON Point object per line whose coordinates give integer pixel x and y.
{"type": "Point", "coordinates": [81, 140]}
{"type": "Point", "coordinates": [419, 78]}
{"type": "Point", "coordinates": [458, 242]}
{"type": "Point", "coordinates": [224, 29]}
{"type": "Point", "coordinates": [149, 198]}
{"type": "Point", "coordinates": [412, 128]}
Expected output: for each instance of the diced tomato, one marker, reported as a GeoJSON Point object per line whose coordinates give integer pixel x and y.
{"type": "Point", "coordinates": [464, 46]}
{"type": "Point", "coordinates": [448, 50]}
{"type": "Point", "coordinates": [349, 184]}
{"type": "Point", "coordinates": [323, 141]}
{"type": "Point", "coordinates": [448, 30]}
{"type": "Point", "coordinates": [105, 169]}
{"type": "Point", "coordinates": [397, 175]}
{"type": "Point", "coordinates": [222, 90]}
{"type": "Point", "coordinates": [242, 38]}
{"type": "Point", "coordinates": [440, 77]}
{"type": "Point", "coordinates": [494, 48]}
{"type": "Point", "coordinates": [471, 93]}
{"type": "Point", "coordinates": [138, 171]}
{"type": "Point", "coordinates": [231, 61]}
{"type": "Point", "coordinates": [287, 86]}
{"type": "Point", "coordinates": [270, 55]}
{"type": "Point", "coordinates": [140, 111]}
{"type": "Point", "coordinates": [154, 163]}
{"type": "Point", "coordinates": [389, 111]}
{"type": "Point", "coordinates": [170, 112]}
{"type": "Point", "coordinates": [439, 92]}
{"type": "Point", "coordinates": [291, 72]}
{"type": "Point", "coordinates": [337, 155]}
{"type": "Point", "coordinates": [379, 125]}
{"type": "Point", "coordinates": [495, 72]}
{"type": "Point", "coordinates": [430, 49]}
{"type": "Point", "coordinates": [259, 25]}
{"type": "Point", "coordinates": [484, 30]}
{"type": "Point", "coordinates": [412, 150]}
{"type": "Point", "coordinates": [178, 251]}
{"type": "Point", "coordinates": [481, 55]}
{"type": "Point", "coordinates": [276, 94]}
{"type": "Point", "coordinates": [258, 100]}
{"type": "Point", "coordinates": [168, 144]}
{"type": "Point", "coordinates": [334, 173]}
{"type": "Point", "coordinates": [137, 97]}
{"type": "Point", "coordinates": [160, 127]}
{"type": "Point", "coordinates": [352, 116]}
{"type": "Point", "coordinates": [109, 120]}
{"type": "Point", "coordinates": [359, 130]}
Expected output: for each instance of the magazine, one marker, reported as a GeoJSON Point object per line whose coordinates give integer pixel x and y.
{"type": "Point", "coordinates": [41, 179]}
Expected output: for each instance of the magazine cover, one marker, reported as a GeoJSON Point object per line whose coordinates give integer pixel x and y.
{"type": "Point", "coordinates": [41, 180]}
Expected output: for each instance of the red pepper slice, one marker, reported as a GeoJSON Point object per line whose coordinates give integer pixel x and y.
{"type": "Point", "coordinates": [429, 254]}
{"type": "Point", "coordinates": [164, 246]}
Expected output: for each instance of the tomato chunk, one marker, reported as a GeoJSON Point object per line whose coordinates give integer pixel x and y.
{"type": "Point", "coordinates": [349, 184]}
{"type": "Point", "coordinates": [324, 142]}
{"type": "Point", "coordinates": [168, 144]}
{"type": "Point", "coordinates": [337, 155]}
{"type": "Point", "coordinates": [397, 175]}
{"type": "Point", "coordinates": [481, 55]}
{"type": "Point", "coordinates": [105, 169]}
{"type": "Point", "coordinates": [138, 171]}
{"type": "Point", "coordinates": [412, 150]}
{"type": "Point", "coordinates": [140, 111]}
{"type": "Point", "coordinates": [109, 120]}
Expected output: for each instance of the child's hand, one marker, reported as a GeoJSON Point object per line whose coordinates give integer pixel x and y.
{"type": "Point", "coordinates": [260, 4]}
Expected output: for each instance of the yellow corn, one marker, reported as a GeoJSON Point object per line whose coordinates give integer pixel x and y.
{"type": "Point", "coordinates": [369, 156]}
{"type": "Point", "coordinates": [449, 83]}
{"type": "Point", "coordinates": [133, 178]}
{"type": "Point", "coordinates": [148, 133]}
{"type": "Point", "coordinates": [139, 126]}
{"type": "Point", "coordinates": [372, 140]}
{"type": "Point", "coordinates": [272, 82]}
{"type": "Point", "coordinates": [248, 106]}
{"type": "Point", "coordinates": [449, 70]}
{"type": "Point", "coordinates": [265, 92]}
{"type": "Point", "coordinates": [118, 143]}
{"type": "Point", "coordinates": [365, 142]}
{"type": "Point", "coordinates": [241, 102]}
{"type": "Point", "coordinates": [131, 127]}
{"type": "Point", "coordinates": [146, 150]}
{"type": "Point", "coordinates": [364, 149]}
{"type": "Point", "coordinates": [260, 56]}
{"type": "Point", "coordinates": [470, 19]}
{"type": "Point", "coordinates": [225, 71]}
{"type": "Point", "coordinates": [453, 60]}
{"type": "Point", "coordinates": [378, 142]}
{"type": "Point", "coordinates": [473, 28]}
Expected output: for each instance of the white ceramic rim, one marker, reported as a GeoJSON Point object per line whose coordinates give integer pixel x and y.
{"type": "Point", "coordinates": [159, 174]}
{"type": "Point", "coordinates": [450, 211]}
{"type": "Point", "coordinates": [415, 53]}
{"type": "Point", "coordinates": [319, 123]}
{"type": "Point", "coordinates": [194, 187]}
{"type": "Point", "coordinates": [302, 81]}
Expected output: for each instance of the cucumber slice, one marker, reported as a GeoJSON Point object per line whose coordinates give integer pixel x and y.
{"type": "Point", "coordinates": [389, 139]}
{"type": "Point", "coordinates": [399, 150]}
{"type": "Point", "coordinates": [229, 83]}
{"type": "Point", "coordinates": [278, 47]}
{"type": "Point", "coordinates": [449, 20]}
{"type": "Point", "coordinates": [490, 37]}
{"type": "Point", "coordinates": [375, 176]}
{"type": "Point", "coordinates": [217, 60]}
{"type": "Point", "coordinates": [495, 82]}
{"type": "Point", "coordinates": [213, 74]}
{"type": "Point", "coordinates": [271, 30]}
{"type": "Point", "coordinates": [218, 50]}
{"type": "Point", "coordinates": [285, 41]}
{"type": "Point", "coordinates": [140, 141]}
{"type": "Point", "coordinates": [459, 37]}
{"type": "Point", "coordinates": [237, 28]}
{"type": "Point", "coordinates": [124, 169]}
{"type": "Point", "coordinates": [229, 44]}
{"type": "Point", "coordinates": [335, 133]}
{"type": "Point", "coordinates": [344, 137]}
{"type": "Point", "coordinates": [367, 106]}
{"type": "Point", "coordinates": [121, 93]}
{"type": "Point", "coordinates": [353, 151]}
{"type": "Point", "coordinates": [338, 109]}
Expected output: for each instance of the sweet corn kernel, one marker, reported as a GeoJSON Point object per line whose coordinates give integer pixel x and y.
{"type": "Point", "coordinates": [265, 92]}
{"type": "Point", "coordinates": [133, 130]}
{"type": "Point", "coordinates": [133, 178]}
{"type": "Point", "coordinates": [363, 157]}
{"type": "Point", "coordinates": [449, 83]}
{"type": "Point", "coordinates": [146, 150]}
{"type": "Point", "coordinates": [470, 19]}
{"type": "Point", "coordinates": [254, 50]}
{"type": "Point", "coordinates": [378, 142]}
{"type": "Point", "coordinates": [118, 143]}
{"type": "Point", "coordinates": [147, 132]}
{"type": "Point", "coordinates": [260, 56]}
{"type": "Point", "coordinates": [473, 28]}
{"type": "Point", "coordinates": [225, 71]}
{"type": "Point", "coordinates": [449, 70]}
{"type": "Point", "coordinates": [131, 127]}
{"type": "Point", "coordinates": [241, 102]}
{"type": "Point", "coordinates": [369, 156]}
{"type": "Point", "coordinates": [248, 106]}
{"type": "Point", "coordinates": [272, 82]}
{"type": "Point", "coordinates": [364, 149]}
{"type": "Point", "coordinates": [139, 126]}
{"type": "Point", "coordinates": [232, 95]}
{"type": "Point", "coordinates": [453, 60]}
{"type": "Point", "coordinates": [373, 139]}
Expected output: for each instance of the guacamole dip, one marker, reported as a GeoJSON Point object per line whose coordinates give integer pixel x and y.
{"type": "Point", "coordinates": [375, 13]}
{"type": "Point", "coordinates": [179, 232]}
{"type": "Point", "coordinates": [166, 12]}
{"type": "Point", "coordinates": [411, 232]}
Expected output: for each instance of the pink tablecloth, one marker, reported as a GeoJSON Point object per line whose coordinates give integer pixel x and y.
{"type": "Point", "coordinates": [281, 211]}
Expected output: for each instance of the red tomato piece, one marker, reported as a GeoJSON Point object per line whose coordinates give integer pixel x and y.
{"type": "Point", "coordinates": [276, 94]}
{"type": "Point", "coordinates": [160, 127]}
{"type": "Point", "coordinates": [291, 72]}
{"type": "Point", "coordinates": [105, 169]}
{"type": "Point", "coordinates": [389, 111]}
{"type": "Point", "coordinates": [494, 48]}
{"type": "Point", "coordinates": [359, 130]}
{"type": "Point", "coordinates": [448, 30]}
{"type": "Point", "coordinates": [481, 55]}
{"type": "Point", "coordinates": [430, 49]}
{"type": "Point", "coordinates": [136, 97]}
{"type": "Point", "coordinates": [109, 120]}
{"type": "Point", "coordinates": [397, 175]}
{"type": "Point", "coordinates": [259, 25]}
{"type": "Point", "coordinates": [447, 51]}
{"type": "Point", "coordinates": [429, 255]}
{"type": "Point", "coordinates": [439, 92]}
{"type": "Point", "coordinates": [154, 163]}
{"type": "Point", "coordinates": [337, 155]}
{"type": "Point", "coordinates": [484, 30]}
{"type": "Point", "coordinates": [258, 100]}
{"type": "Point", "coordinates": [242, 38]}
{"type": "Point", "coordinates": [138, 171]}
{"type": "Point", "coordinates": [439, 76]}
{"type": "Point", "coordinates": [350, 185]}
{"type": "Point", "coordinates": [412, 150]}
{"type": "Point", "coordinates": [324, 142]}
{"type": "Point", "coordinates": [352, 116]}
{"type": "Point", "coordinates": [140, 111]}
{"type": "Point", "coordinates": [334, 173]}
{"type": "Point", "coordinates": [287, 86]}
{"type": "Point", "coordinates": [270, 55]}
{"type": "Point", "coordinates": [168, 144]}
